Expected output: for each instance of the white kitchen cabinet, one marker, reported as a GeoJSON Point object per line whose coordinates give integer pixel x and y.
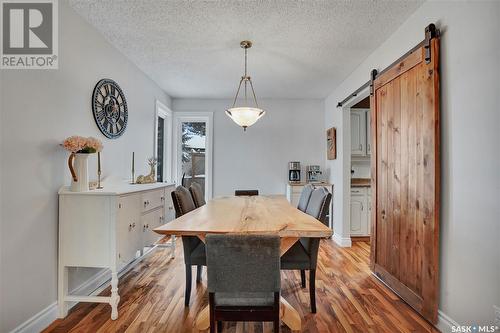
{"type": "Point", "coordinates": [108, 228]}
{"type": "Point", "coordinates": [369, 209]}
{"type": "Point", "coordinates": [360, 211]}
{"type": "Point", "coordinates": [368, 133]}
{"type": "Point", "coordinates": [358, 132]}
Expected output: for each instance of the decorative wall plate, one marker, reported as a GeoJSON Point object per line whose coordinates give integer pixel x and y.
{"type": "Point", "coordinates": [109, 108]}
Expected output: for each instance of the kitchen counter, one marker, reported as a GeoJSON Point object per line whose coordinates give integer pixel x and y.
{"type": "Point", "coordinates": [361, 182]}
{"type": "Point", "coordinates": [305, 183]}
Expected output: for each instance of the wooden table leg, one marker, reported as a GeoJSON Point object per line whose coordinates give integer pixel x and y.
{"type": "Point", "coordinates": [286, 244]}
{"type": "Point", "coordinates": [201, 237]}
{"type": "Point", "coordinates": [289, 315]}
{"type": "Point", "coordinates": [203, 319]}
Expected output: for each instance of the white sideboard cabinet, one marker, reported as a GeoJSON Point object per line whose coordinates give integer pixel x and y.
{"type": "Point", "coordinates": [109, 228]}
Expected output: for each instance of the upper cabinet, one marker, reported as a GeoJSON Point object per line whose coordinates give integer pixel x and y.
{"type": "Point", "coordinates": [368, 133]}
{"type": "Point", "coordinates": [360, 132]}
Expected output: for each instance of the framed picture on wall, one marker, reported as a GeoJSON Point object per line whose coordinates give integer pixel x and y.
{"type": "Point", "coordinates": [331, 143]}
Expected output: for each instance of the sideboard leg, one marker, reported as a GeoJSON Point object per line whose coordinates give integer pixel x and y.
{"type": "Point", "coordinates": [62, 291]}
{"type": "Point", "coordinates": [115, 298]}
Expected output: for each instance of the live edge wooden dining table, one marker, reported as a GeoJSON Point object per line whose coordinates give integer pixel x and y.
{"type": "Point", "coordinates": [249, 214]}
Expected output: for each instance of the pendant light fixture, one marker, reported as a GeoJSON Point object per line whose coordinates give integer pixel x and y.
{"type": "Point", "coordinates": [245, 115]}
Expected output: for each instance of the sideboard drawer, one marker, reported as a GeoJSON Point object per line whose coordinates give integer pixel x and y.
{"type": "Point", "coordinates": [152, 199]}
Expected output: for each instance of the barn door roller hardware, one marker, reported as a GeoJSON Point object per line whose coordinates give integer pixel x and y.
{"type": "Point", "coordinates": [373, 76]}
{"type": "Point", "coordinates": [430, 32]}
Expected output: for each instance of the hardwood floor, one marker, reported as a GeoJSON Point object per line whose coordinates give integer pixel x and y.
{"type": "Point", "coordinates": [349, 299]}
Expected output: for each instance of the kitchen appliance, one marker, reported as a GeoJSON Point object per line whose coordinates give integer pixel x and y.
{"type": "Point", "coordinates": [313, 173]}
{"type": "Point", "coordinates": [294, 171]}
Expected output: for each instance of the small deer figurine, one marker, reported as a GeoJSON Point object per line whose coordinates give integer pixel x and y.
{"type": "Point", "coordinates": [151, 178]}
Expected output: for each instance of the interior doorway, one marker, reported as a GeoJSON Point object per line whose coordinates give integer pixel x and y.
{"type": "Point", "coordinates": [360, 180]}
{"type": "Point", "coordinates": [356, 170]}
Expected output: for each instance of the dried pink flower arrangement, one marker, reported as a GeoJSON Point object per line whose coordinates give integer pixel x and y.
{"type": "Point", "coordinates": [80, 144]}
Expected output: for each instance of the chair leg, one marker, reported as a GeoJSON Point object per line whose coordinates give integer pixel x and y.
{"type": "Point", "coordinates": [276, 325]}
{"type": "Point", "coordinates": [219, 326]}
{"type": "Point", "coordinates": [312, 289]}
{"type": "Point", "coordinates": [187, 296]}
{"type": "Point", "coordinates": [213, 328]}
{"type": "Point", "coordinates": [303, 278]}
{"type": "Point", "coordinates": [199, 272]}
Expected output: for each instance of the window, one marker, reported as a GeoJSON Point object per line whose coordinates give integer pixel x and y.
{"type": "Point", "coordinates": [163, 142]}
{"type": "Point", "coordinates": [194, 149]}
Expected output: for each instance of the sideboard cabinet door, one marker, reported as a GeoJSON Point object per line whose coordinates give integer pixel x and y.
{"type": "Point", "coordinates": [128, 228]}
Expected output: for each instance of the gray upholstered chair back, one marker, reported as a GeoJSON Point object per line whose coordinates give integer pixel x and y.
{"type": "Point", "coordinates": [250, 193]}
{"type": "Point", "coordinates": [197, 194]}
{"type": "Point", "coordinates": [243, 263]}
{"type": "Point", "coordinates": [305, 195]}
{"type": "Point", "coordinates": [183, 202]}
{"type": "Point", "coordinates": [318, 204]}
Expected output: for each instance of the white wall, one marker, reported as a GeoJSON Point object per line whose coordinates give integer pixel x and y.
{"type": "Point", "coordinates": [470, 228]}
{"type": "Point", "coordinates": [39, 109]}
{"type": "Point", "coordinates": [291, 130]}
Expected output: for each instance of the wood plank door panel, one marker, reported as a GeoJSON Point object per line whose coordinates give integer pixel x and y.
{"type": "Point", "coordinates": [405, 178]}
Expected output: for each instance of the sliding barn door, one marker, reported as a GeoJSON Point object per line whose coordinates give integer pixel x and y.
{"type": "Point", "coordinates": [405, 177]}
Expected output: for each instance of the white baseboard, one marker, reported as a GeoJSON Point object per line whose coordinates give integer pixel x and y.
{"type": "Point", "coordinates": [445, 323]}
{"type": "Point", "coordinates": [38, 322]}
{"type": "Point", "coordinates": [342, 241]}
{"type": "Point", "coordinates": [93, 286]}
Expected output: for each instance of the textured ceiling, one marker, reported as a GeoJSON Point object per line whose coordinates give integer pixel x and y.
{"type": "Point", "coordinates": [302, 49]}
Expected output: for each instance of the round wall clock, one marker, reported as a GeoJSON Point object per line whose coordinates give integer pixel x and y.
{"type": "Point", "coordinates": [109, 108]}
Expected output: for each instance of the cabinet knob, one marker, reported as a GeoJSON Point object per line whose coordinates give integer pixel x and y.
{"type": "Point", "coordinates": [360, 146]}
{"type": "Point", "coordinates": [170, 207]}
{"type": "Point", "coordinates": [133, 225]}
{"type": "Point", "coordinates": [162, 198]}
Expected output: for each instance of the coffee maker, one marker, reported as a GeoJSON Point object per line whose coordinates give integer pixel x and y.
{"type": "Point", "coordinates": [313, 174]}
{"type": "Point", "coordinates": [294, 171]}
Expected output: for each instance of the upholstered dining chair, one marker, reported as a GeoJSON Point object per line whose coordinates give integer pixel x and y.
{"type": "Point", "coordinates": [243, 278]}
{"type": "Point", "coordinates": [239, 193]}
{"type": "Point", "coordinates": [303, 255]}
{"type": "Point", "coordinates": [305, 195]}
{"type": "Point", "coordinates": [194, 249]}
{"type": "Point", "coordinates": [197, 194]}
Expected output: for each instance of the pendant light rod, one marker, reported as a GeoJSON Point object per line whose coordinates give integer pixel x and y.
{"type": "Point", "coordinates": [246, 44]}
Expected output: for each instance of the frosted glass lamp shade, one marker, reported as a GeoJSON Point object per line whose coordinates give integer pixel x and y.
{"type": "Point", "coordinates": [245, 116]}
